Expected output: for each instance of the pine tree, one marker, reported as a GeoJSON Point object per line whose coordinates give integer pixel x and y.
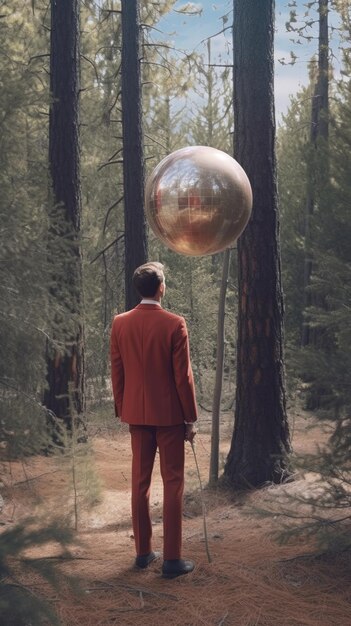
{"type": "Point", "coordinates": [325, 367]}
{"type": "Point", "coordinates": [260, 440]}
{"type": "Point", "coordinates": [102, 188]}
{"type": "Point", "coordinates": [135, 239]}
{"type": "Point", "coordinates": [292, 144]}
{"type": "Point", "coordinates": [23, 265]}
{"type": "Point", "coordinates": [212, 121]}
{"type": "Point", "coordinates": [66, 359]}
{"type": "Point", "coordinates": [317, 165]}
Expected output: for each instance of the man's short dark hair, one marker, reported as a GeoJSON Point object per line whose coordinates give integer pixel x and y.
{"type": "Point", "coordinates": [147, 278]}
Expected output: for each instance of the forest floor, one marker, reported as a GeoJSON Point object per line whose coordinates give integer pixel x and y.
{"type": "Point", "coordinates": [251, 580]}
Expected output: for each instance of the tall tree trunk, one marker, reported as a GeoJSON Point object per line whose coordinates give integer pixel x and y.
{"type": "Point", "coordinates": [261, 435]}
{"type": "Point", "coordinates": [217, 393]}
{"type": "Point", "coordinates": [317, 165]}
{"type": "Point", "coordinates": [133, 157]}
{"type": "Point", "coordinates": [65, 365]}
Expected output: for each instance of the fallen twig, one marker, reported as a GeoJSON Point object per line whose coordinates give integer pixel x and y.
{"type": "Point", "coordinates": [221, 622]}
{"type": "Point", "coordinates": [28, 479]}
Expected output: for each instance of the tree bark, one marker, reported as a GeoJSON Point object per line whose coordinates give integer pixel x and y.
{"type": "Point", "coordinates": [133, 155]}
{"type": "Point", "coordinates": [65, 364]}
{"type": "Point", "coordinates": [260, 440]}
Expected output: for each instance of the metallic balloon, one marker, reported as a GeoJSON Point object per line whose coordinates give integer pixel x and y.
{"type": "Point", "coordinates": [198, 200]}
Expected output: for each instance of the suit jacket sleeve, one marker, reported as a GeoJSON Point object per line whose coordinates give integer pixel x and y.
{"type": "Point", "coordinates": [117, 371]}
{"type": "Point", "coordinates": [183, 372]}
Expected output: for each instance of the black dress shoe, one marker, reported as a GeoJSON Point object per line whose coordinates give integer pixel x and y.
{"type": "Point", "coordinates": [145, 560]}
{"type": "Point", "coordinates": [176, 567]}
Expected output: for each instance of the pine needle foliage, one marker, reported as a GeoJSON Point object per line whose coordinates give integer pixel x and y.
{"type": "Point", "coordinates": [23, 181]}
{"type": "Point", "coordinates": [323, 367]}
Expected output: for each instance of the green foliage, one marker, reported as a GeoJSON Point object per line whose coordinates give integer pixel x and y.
{"type": "Point", "coordinates": [321, 513]}
{"type": "Point", "coordinates": [291, 155]}
{"type": "Point", "coordinates": [324, 365]}
{"type": "Point", "coordinates": [331, 284]}
{"type": "Point", "coordinates": [212, 121]}
{"type": "Point", "coordinates": [23, 181]}
{"type": "Point", "coordinates": [36, 246]}
{"type": "Point", "coordinates": [102, 185]}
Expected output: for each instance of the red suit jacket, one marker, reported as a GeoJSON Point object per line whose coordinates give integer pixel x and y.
{"type": "Point", "coordinates": [152, 378]}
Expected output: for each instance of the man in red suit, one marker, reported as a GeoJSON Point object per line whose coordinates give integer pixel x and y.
{"type": "Point", "coordinates": [154, 393]}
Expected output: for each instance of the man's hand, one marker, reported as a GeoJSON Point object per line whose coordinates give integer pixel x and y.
{"type": "Point", "coordinates": [190, 432]}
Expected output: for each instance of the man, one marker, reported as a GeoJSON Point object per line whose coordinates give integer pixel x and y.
{"type": "Point", "coordinates": [154, 393]}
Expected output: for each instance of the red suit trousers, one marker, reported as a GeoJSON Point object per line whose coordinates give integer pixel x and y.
{"type": "Point", "coordinates": [170, 442]}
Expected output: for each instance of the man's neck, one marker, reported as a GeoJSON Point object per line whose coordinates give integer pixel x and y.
{"type": "Point", "coordinates": [154, 300]}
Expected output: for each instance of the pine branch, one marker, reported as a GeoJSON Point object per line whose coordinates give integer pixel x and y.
{"type": "Point", "coordinates": [220, 32]}
{"type": "Point", "coordinates": [155, 141]}
{"type": "Point", "coordinates": [109, 211]}
{"type": "Point", "coordinates": [107, 248]}
{"type": "Point", "coordinates": [117, 161]}
{"type": "Point", "coordinates": [157, 64]}
{"type": "Point", "coordinates": [37, 56]}
{"type": "Point", "coordinates": [91, 63]}
{"type": "Point", "coordinates": [22, 393]}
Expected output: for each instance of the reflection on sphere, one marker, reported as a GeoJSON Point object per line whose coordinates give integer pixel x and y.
{"type": "Point", "coordinates": [198, 200]}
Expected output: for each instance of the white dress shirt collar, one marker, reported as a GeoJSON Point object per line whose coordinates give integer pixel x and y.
{"type": "Point", "coordinates": [150, 301]}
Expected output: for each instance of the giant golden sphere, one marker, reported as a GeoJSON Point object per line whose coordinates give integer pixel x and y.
{"type": "Point", "coordinates": [198, 200]}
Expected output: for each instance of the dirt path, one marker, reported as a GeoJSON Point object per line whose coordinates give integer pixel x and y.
{"type": "Point", "coordinates": [250, 581]}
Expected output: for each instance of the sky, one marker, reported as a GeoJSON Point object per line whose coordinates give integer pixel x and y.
{"type": "Point", "coordinates": [189, 32]}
